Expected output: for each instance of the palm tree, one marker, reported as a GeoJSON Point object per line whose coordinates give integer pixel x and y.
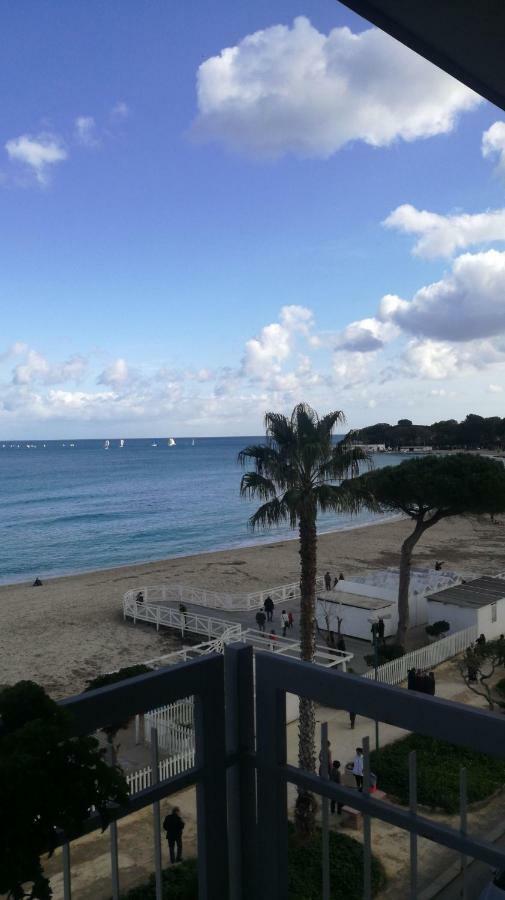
{"type": "Point", "coordinates": [297, 473]}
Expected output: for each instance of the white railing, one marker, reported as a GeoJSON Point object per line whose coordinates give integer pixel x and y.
{"type": "Point", "coordinates": [195, 623]}
{"type": "Point", "coordinates": [427, 657]}
{"type": "Point", "coordinates": [181, 593]}
{"type": "Point", "coordinates": [174, 724]}
{"type": "Point", "coordinates": [168, 768]}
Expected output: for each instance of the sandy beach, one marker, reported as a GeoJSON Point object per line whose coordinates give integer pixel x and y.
{"type": "Point", "coordinates": [71, 628]}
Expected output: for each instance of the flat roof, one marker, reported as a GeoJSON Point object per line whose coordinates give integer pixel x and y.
{"type": "Point", "coordinates": [356, 600]}
{"type": "Point", "coordinates": [474, 594]}
{"type": "Point", "coordinates": [465, 38]}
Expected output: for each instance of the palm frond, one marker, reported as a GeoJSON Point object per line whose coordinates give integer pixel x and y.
{"type": "Point", "coordinates": [271, 513]}
{"type": "Point", "coordinates": [336, 498]}
{"type": "Point", "coordinates": [253, 484]}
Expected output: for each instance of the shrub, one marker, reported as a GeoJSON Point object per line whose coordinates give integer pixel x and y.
{"type": "Point", "coordinates": [437, 628]}
{"type": "Point", "coordinates": [386, 652]}
{"type": "Point", "coordinates": [49, 781]}
{"type": "Point", "coordinates": [305, 879]}
{"type": "Point", "coordinates": [438, 765]}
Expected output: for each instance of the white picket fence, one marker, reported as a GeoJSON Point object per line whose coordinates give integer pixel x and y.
{"type": "Point", "coordinates": [168, 768]}
{"type": "Point", "coordinates": [194, 623]}
{"type": "Point", "coordinates": [181, 593]}
{"type": "Point", "coordinates": [427, 657]}
{"type": "Point", "coordinates": [175, 726]}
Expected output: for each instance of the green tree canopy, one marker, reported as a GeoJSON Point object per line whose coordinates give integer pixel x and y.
{"type": "Point", "coordinates": [428, 489]}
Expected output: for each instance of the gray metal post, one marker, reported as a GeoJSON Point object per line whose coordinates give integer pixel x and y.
{"type": "Point", "coordinates": [272, 792]}
{"type": "Point", "coordinates": [413, 835]}
{"type": "Point", "coordinates": [325, 823]}
{"type": "Point", "coordinates": [114, 855]}
{"type": "Point", "coordinates": [367, 826]}
{"type": "Point", "coordinates": [211, 789]}
{"type": "Point", "coordinates": [376, 666]}
{"type": "Point", "coordinates": [155, 777]}
{"type": "Point", "coordinates": [67, 881]}
{"type": "Point", "coordinates": [463, 802]}
{"type": "Point", "coordinates": [239, 686]}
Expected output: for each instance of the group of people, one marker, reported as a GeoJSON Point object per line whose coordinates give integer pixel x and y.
{"type": "Point", "coordinates": [327, 580]}
{"type": "Point", "coordinates": [334, 774]}
{"type": "Point", "coordinates": [424, 682]}
{"type": "Point", "coordinates": [267, 615]}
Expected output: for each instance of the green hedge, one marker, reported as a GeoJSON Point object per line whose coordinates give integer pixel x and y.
{"type": "Point", "coordinates": [346, 873]}
{"type": "Point", "coordinates": [438, 765]}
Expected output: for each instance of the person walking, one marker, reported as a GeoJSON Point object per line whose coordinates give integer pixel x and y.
{"type": "Point", "coordinates": [380, 631]}
{"type": "Point", "coordinates": [284, 622]}
{"type": "Point", "coordinates": [269, 608]}
{"type": "Point", "coordinates": [357, 768]}
{"type": "Point", "coordinates": [352, 719]}
{"type": "Point", "coordinates": [336, 778]}
{"type": "Point", "coordinates": [260, 620]}
{"type": "Point", "coordinates": [291, 620]}
{"type": "Point", "coordinates": [321, 767]}
{"type": "Point", "coordinates": [273, 639]}
{"type": "Point", "coordinates": [173, 827]}
{"type": "Point", "coordinates": [327, 581]}
{"type": "Point", "coordinates": [183, 609]}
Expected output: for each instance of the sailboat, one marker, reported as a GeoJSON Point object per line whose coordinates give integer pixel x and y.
{"type": "Point", "coordinates": [193, 442]}
{"type": "Point", "coordinates": [106, 445]}
{"type": "Point", "coordinates": [154, 444]}
{"type": "Point", "coordinates": [171, 442]}
{"type": "Point", "coordinates": [121, 443]}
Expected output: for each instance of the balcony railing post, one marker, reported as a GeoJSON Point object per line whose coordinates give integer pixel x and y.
{"type": "Point", "coordinates": [239, 686]}
{"type": "Point", "coordinates": [211, 789]}
{"type": "Point", "coordinates": [272, 883]}
{"type": "Point", "coordinates": [155, 777]}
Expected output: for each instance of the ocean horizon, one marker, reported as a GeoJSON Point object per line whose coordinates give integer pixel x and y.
{"type": "Point", "coordinates": [73, 506]}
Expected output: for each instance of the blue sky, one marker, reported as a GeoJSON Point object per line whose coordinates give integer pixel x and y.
{"type": "Point", "coordinates": [193, 234]}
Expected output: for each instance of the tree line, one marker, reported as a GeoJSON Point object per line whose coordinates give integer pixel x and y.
{"type": "Point", "coordinates": [471, 433]}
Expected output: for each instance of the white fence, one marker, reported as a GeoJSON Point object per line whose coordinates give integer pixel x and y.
{"type": "Point", "coordinates": [168, 768]}
{"type": "Point", "coordinates": [184, 621]}
{"type": "Point", "coordinates": [426, 657]}
{"type": "Point", "coordinates": [175, 726]}
{"type": "Point", "coordinates": [180, 593]}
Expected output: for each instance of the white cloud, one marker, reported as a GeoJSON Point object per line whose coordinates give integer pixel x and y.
{"type": "Point", "coordinates": [296, 90]}
{"type": "Point", "coordinates": [120, 111]}
{"type": "Point", "coordinates": [264, 354]}
{"type": "Point", "coordinates": [493, 144]}
{"type": "Point", "coordinates": [467, 303]}
{"type": "Point", "coordinates": [115, 375]}
{"type": "Point", "coordinates": [442, 235]}
{"type": "Point", "coordinates": [38, 153]}
{"type": "Point", "coordinates": [36, 368]}
{"type": "Point", "coordinates": [85, 131]}
{"type": "Point", "coordinates": [365, 335]}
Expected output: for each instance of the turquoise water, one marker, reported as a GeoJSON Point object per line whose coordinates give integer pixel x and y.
{"type": "Point", "coordinates": [70, 509]}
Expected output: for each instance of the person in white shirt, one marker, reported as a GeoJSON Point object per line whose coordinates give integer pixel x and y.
{"type": "Point", "coordinates": [284, 622]}
{"type": "Point", "coordinates": [357, 768]}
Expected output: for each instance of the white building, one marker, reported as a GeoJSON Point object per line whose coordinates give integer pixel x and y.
{"type": "Point", "coordinates": [375, 596]}
{"type": "Point", "coordinates": [479, 603]}
{"type": "Point", "coordinates": [372, 448]}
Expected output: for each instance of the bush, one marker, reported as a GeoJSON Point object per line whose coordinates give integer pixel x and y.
{"type": "Point", "coordinates": [438, 765]}
{"type": "Point", "coordinates": [437, 628]}
{"type": "Point", "coordinates": [114, 678]}
{"type": "Point", "coordinates": [346, 868]}
{"type": "Point", "coordinates": [386, 653]}
{"type": "Point", "coordinates": [346, 873]}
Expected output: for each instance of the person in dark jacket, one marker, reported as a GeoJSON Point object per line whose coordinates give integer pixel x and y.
{"type": "Point", "coordinates": [411, 679]}
{"type": "Point", "coordinates": [380, 631]}
{"type": "Point", "coordinates": [260, 620]}
{"type": "Point", "coordinates": [335, 777]}
{"type": "Point", "coordinates": [173, 827]}
{"type": "Point", "coordinates": [327, 581]}
{"type": "Point", "coordinates": [269, 608]}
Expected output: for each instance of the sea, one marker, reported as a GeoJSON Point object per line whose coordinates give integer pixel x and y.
{"type": "Point", "coordinates": [73, 506]}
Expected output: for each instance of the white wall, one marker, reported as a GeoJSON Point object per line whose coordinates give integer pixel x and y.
{"type": "Point", "coordinates": [459, 617]}
{"type": "Point", "coordinates": [355, 619]}
{"type": "Point", "coordinates": [484, 624]}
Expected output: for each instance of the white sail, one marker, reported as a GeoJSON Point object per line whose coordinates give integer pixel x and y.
{"type": "Point", "coordinates": [171, 442]}
{"type": "Point", "coordinates": [193, 443]}
{"type": "Point", "coordinates": [121, 443]}
{"type": "Point", "coordinates": [106, 445]}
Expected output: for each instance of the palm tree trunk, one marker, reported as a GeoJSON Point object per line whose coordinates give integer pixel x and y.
{"type": "Point", "coordinates": [306, 805]}
{"type": "Point", "coordinates": [404, 583]}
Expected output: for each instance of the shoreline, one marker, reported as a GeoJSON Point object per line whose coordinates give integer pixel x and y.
{"type": "Point", "coordinates": [382, 519]}
{"type": "Point", "coordinates": [71, 629]}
